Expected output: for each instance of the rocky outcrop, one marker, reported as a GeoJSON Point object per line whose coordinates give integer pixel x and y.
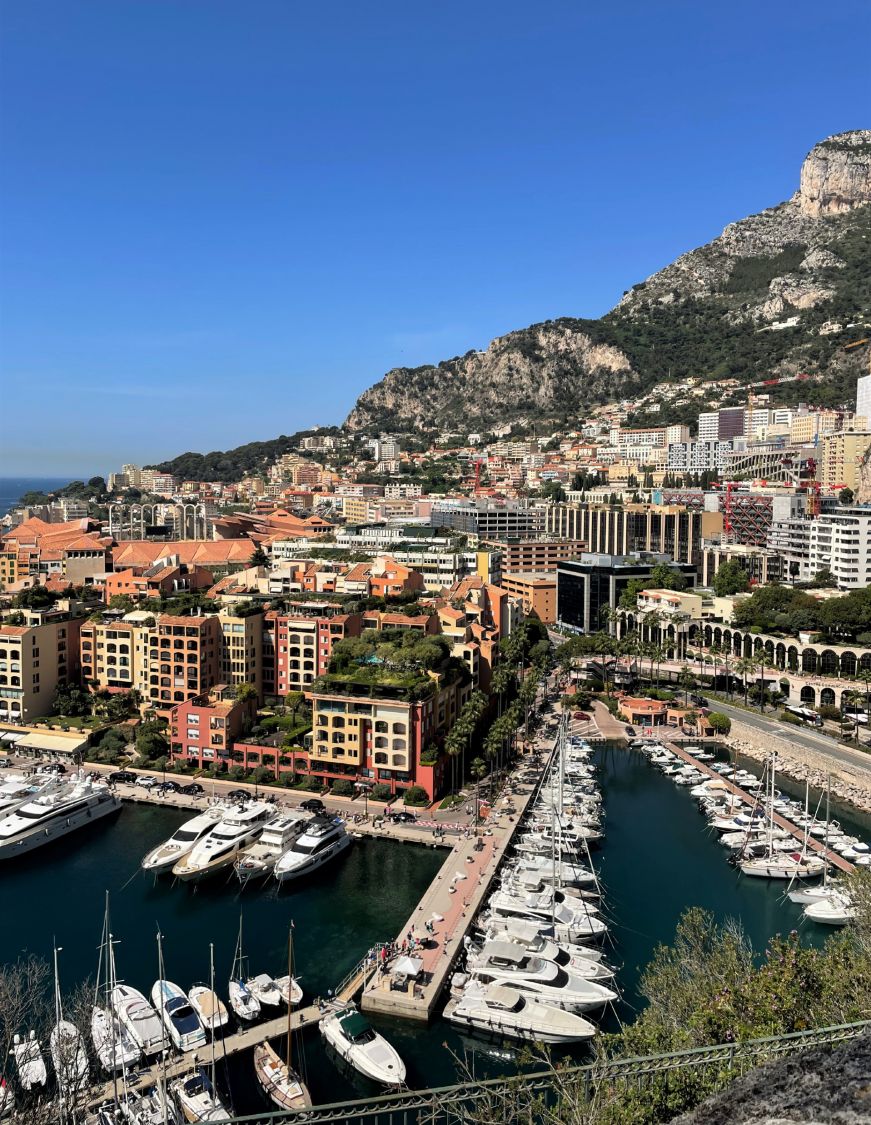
{"type": "Point", "coordinates": [802, 265]}
{"type": "Point", "coordinates": [836, 175]}
{"type": "Point", "coordinates": [546, 369]}
{"type": "Point", "coordinates": [816, 1087]}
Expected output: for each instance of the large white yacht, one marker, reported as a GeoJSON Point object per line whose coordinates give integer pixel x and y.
{"type": "Point", "coordinates": [16, 791]}
{"type": "Point", "coordinates": [166, 855]}
{"type": "Point", "coordinates": [55, 813]}
{"type": "Point", "coordinates": [217, 850]}
{"type": "Point", "coordinates": [503, 962]}
{"type": "Point", "coordinates": [258, 861]}
{"type": "Point", "coordinates": [501, 1010]}
{"type": "Point", "coordinates": [322, 841]}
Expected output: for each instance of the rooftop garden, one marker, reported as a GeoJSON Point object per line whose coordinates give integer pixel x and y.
{"type": "Point", "coordinates": [399, 662]}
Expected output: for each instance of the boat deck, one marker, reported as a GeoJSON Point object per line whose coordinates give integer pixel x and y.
{"type": "Point", "coordinates": [813, 844]}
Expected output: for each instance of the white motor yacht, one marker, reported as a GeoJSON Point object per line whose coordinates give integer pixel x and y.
{"type": "Point", "coordinates": [501, 1010]}
{"type": "Point", "coordinates": [140, 1019]}
{"type": "Point", "coordinates": [573, 923]}
{"type": "Point", "coordinates": [537, 938]}
{"type": "Point", "coordinates": [217, 850]}
{"type": "Point", "coordinates": [197, 1098]}
{"type": "Point", "coordinates": [55, 813]}
{"type": "Point", "coordinates": [140, 1107]}
{"type": "Point", "coordinates": [257, 861]}
{"type": "Point", "coordinates": [113, 1043]}
{"type": "Point", "coordinates": [503, 962]}
{"type": "Point", "coordinates": [166, 855]}
{"type": "Point", "coordinates": [179, 1018]}
{"type": "Point", "coordinates": [550, 951]}
{"type": "Point", "coordinates": [29, 1061]}
{"type": "Point", "coordinates": [16, 791]}
{"type": "Point", "coordinates": [568, 874]}
{"type": "Point", "coordinates": [836, 910]}
{"type": "Point", "coordinates": [323, 840]}
{"type": "Point", "coordinates": [351, 1035]}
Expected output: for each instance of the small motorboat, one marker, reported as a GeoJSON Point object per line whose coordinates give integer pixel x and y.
{"type": "Point", "coordinates": [209, 1007]}
{"type": "Point", "coordinates": [140, 1019]}
{"type": "Point", "coordinates": [179, 1018]}
{"type": "Point", "coordinates": [836, 910]}
{"type": "Point", "coordinates": [264, 988]}
{"type": "Point", "coordinates": [197, 1098]}
{"type": "Point", "coordinates": [243, 1001]}
{"type": "Point", "coordinates": [290, 989]}
{"type": "Point", "coordinates": [355, 1040]}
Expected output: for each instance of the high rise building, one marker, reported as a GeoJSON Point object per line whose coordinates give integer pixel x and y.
{"type": "Point", "coordinates": [863, 396]}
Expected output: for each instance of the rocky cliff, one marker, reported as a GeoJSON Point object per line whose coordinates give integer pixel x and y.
{"type": "Point", "coordinates": [773, 295]}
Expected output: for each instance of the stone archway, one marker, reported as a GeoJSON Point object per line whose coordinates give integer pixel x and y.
{"type": "Point", "coordinates": [809, 661]}
{"type": "Point", "coordinates": [808, 695]}
{"type": "Point", "coordinates": [828, 662]}
{"type": "Point", "coordinates": [848, 665]}
{"type": "Point", "coordinates": [792, 660]}
{"type": "Point", "coordinates": [827, 697]}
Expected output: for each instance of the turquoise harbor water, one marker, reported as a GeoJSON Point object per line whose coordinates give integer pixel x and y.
{"type": "Point", "coordinates": [656, 860]}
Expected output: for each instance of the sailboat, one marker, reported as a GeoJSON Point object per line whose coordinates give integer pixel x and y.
{"type": "Point", "coordinates": [29, 1061]}
{"type": "Point", "coordinates": [196, 1093]}
{"type": "Point", "coordinates": [277, 1077]}
{"type": "Point", "coordinates": [113, 1043]}
{"type": "Point", "coordinates": [67, 1048]}
{"type": "Point", "coordinates": [242, 1000]}
{"type": "Point", "coordinates": [775, 863]}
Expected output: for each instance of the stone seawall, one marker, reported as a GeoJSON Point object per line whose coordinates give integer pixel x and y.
{"type": "Point", "coordinates": [849, 783]}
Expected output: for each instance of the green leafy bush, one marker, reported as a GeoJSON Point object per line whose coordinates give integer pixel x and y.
{"type": "Point", "coordinates": [342, 788]}
{"type": "Point", "coordinates": [415, 796]}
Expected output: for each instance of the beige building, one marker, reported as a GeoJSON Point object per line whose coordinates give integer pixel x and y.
{"type": "Point", "coordinates": [242, 650]}
{"type": "Point", "coordinates": [806, 427]}
{"type": "Point", "coordinates": [35, 659]}
{"type": "Point", "coordinates": [115, 656]}
{"type": "Point", "coordinates": [535, 591]}
{"type": "Point", "coordinates": [842, 458]}
{"type": "Point", "coordinates": [184, 659]}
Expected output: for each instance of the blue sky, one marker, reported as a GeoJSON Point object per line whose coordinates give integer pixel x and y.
{"type": "Point", "coordinates": [222, 221]}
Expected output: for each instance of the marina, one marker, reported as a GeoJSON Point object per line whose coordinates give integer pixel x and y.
{"type": "Point", "coordinates": [343, 908]}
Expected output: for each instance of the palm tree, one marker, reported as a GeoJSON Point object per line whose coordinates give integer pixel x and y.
{"type": "Point", "coordinates": [479, 770]}
{"type": "Point", "coordinates": [745, 667]}
{"type": "Point", "coordinates": [686, 681]}
{"type": "Point", "coordinates": [763, 660]}
{"type": "Point", "coordinates": [863, 675]}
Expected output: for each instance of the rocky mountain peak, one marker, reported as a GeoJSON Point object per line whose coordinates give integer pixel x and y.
{"type": "Point", "coordinates": [836, 174]}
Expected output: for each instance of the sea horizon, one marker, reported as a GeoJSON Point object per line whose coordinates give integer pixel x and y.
{"type": "Point", "coordinates": [12, 488]}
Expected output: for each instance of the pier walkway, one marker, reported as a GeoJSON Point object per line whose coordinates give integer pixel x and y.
{"type": "Point", "coordinates": [813, 844]}
{"type": "Point", "coordinates": [450, 904]}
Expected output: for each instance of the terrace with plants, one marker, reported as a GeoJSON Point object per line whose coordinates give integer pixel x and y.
{"type": "Point", "coordinates": [397, 663]}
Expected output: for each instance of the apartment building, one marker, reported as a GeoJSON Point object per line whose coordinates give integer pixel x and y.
{"type": "Point", "coordinates": [761, 564]}
{"type": "Point", "coordinates": [667, 529]}
{"type": "Point", "coordinates": [838, 541]}
{"type": "Point", "coordinates": [843, 454]}
{"type": "Point", "coordinates": [377, 736]}
{"type": "Point", "coordinates": [35, 659]}
{"type": "Point", "coordinates": [114, 655]}
{"type": "Point", "coordinates": [184, 659]}
{"type": "Point", "coordinates": [203, 729]}
{"type": "Point", "coordinates": [303, 646]}
{"type": "Point", "coordinates": [523, 555]}
{"type": "Point", "coordinates": [242, 648]}
{"type": "Point", "coordinates": [536, 592]}
{"type": "Point", "coordinates": [698, 456]}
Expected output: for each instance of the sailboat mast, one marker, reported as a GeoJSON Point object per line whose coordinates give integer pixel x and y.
{"type": "Point", "coordinates": [289, 992]}
{"type": "Point", "coordinates": [58, 1016]}
{"type": "Point", "coordinates": [163, 1053]}
{"type": "Point", "coordinates": [214, 1011]}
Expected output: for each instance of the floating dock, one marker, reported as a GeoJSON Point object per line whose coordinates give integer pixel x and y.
{"type": "Point", "coordinates": [795, 830]}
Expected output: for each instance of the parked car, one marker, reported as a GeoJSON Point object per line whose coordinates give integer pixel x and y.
{"type": "Point", "coordinates": [313, 804]}
{"type": "Point", "coordinates": [699, 700]}
{"type": "Point", "coordinates": [127, 777]}
{"type": "Point", "coordinates": [239, 795]}
{"type": "Point", "coordinates": [583, 715]}
{"type": "Point", "coordinates": [193, 789]}
{"type": "Point", "coordinates": [53, 767]}
{"type": "Point", "coordinates": [167, 787]}
{"type": "Point", "coordinates": [4, 763]}
{"type": "Point", "coordinates": [402, 817]}
{"type": "Point", "coordinates": [146, 782]}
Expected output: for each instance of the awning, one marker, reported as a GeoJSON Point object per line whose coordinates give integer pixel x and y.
{"type": "Point", "coordinates": [407, 967]}
{"type": "Point", "coordinates": [11, 736]}
{"type": "Point", "coordinates": [51, 743]}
